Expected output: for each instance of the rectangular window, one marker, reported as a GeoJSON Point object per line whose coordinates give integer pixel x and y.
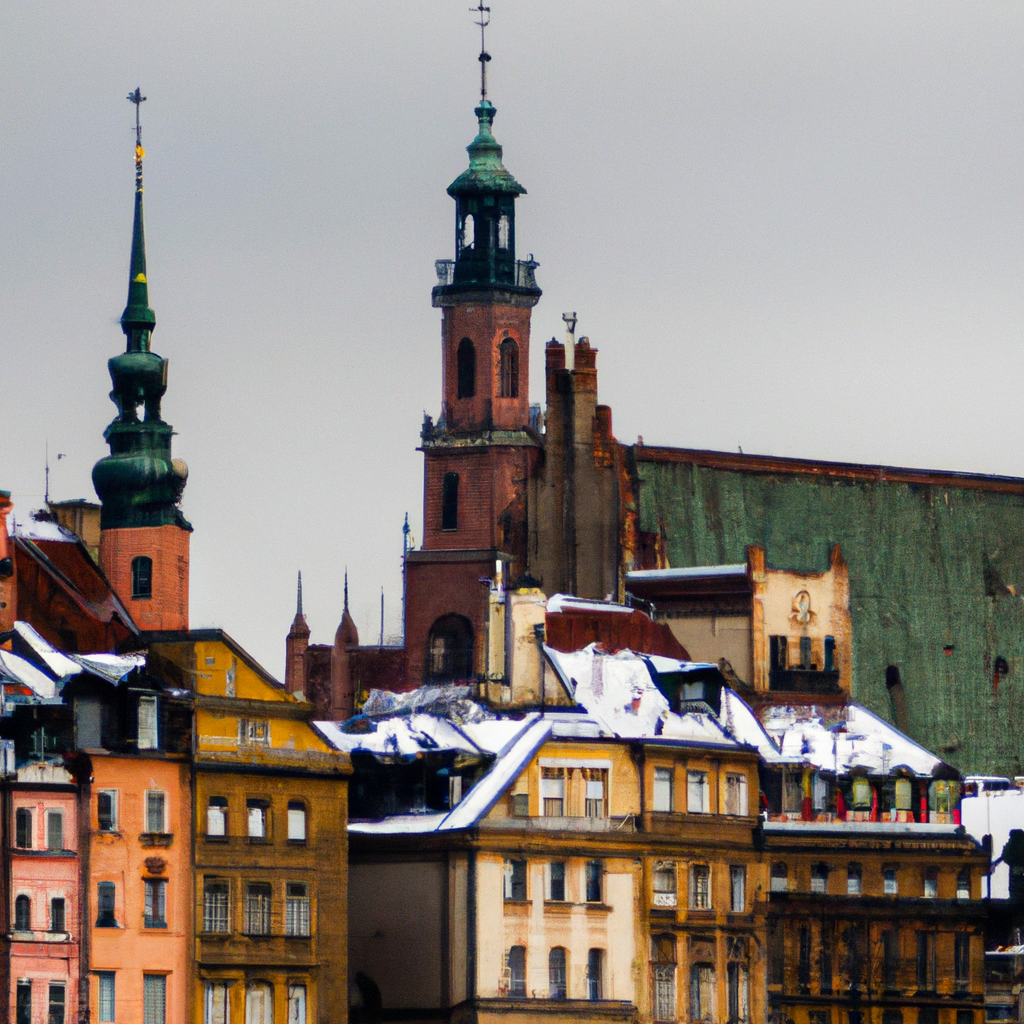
{"type": "Point", "coordinates": [106, 810]}
{"type": "Point", "coordinates": [890, 883]}
{"type": "Point", "coordinates": [736, 795]}
{"type": "Point", "coordinates": [216, 1009]}
{"type": "Point", "coordinates": [665, 883]}
{"type": "Point", "coordinates": [517, 972]}
{"type": "Point", "coordinates": [663, 789]}
{"type": "Point", "coordinates": [962, 960]}
{"type": "Point", "coordinates": [297, 820]}
{"type": "Point", "coordinates": [156, 902]}
{"type": "Point", "coordinates": [926, 972]}
{"type": "Point", "coordinates": [296, 910]}
{"type": "Point", "coordinates": [106, 1000]}
{"type": "Point", "coordinates": [737, 889]}
{"type": "Point", "coordinates": [556, 881]}
{"type": "Point", "coordinates": [515, 880]}
{"type": "Point", "coordinates": [257, 908]}
{"type": "Point", "coordinates": [664, 992]}
{"type": "Point", "coordinates": [780, 878]}
{"type": "Point", "coordinates": [217, 818]}
{"type": "Point", "coordinates": [105, 905]}
{"type": "Point", "coordinates": [23, 828]}
{"type": "Point", "coordinates": [738, 986]}
{"type": "Point", "coordinates": [819, 878]}
{"type": "Point", "coordinates": [156, 806]}
{"type": "Point", "coordinates": [803, 967]}
{"type": "Point", "coordinates": [890, 960]}
{"type": "Point", "coordinates": [257, 819]}
{"type": "Point", "coordinates": [253, 732]}
{"type": "Point", "coordinates": [702, 992]}
{"type": "Point", "coordinates": [805, 652]}
{"type": "Point", "coordinates": [154, 999]}
{"type": "Point", "coordinates": [700, 887]}
{"type": "Point", "coordinates": [56, 1001]}
{"type": "Point", "coordinates": [552, 792]}
{"type": "Point", "coordinates": [148, 735]}
{"type": "Point", "coordinates": [54, 830]}
{"type": "Point", "coordinates": [216, 910]}
{"type": "Point", "coordinates": [963, 885]}
{"type": "Point", "coordinates": [520, 805]}
{"type": "Point", "coordinates": [595, 959]}
{"type": "Point", "coordinates": [57, 915]}
{"type": "Point", "coordinates": [776, 951]}
{"type": "Point", "coordinates": [698, 793]}
{"type": "Point", "coordinates": [23, 1003]}
{"type": "Point", "coordinates": [454, 790]}
{"type": "Point", "coordinates": [595, 871]}
{"type": "Point", "coordinates": [931, 883]}
{"type": "Point", "coordinates": [594, 781]}
{"type": "Point", "coordinates": [853, 877]}
{"type": "Point", "coordinates": [825, 957]}
{"type": "Point", "coordinates": [296, 1004]}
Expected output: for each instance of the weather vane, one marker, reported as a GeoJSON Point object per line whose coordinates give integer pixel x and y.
{"type": "Point", "coordinates": [138, 99]}
{"type": "Point", "coordinates": [485, 20]}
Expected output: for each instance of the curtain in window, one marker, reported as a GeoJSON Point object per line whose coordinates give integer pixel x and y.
{"type": "Point", "coordinates": [296, 1004]}
{"type": "Point", "coordinates": [154, 999]}
{"type": "Point", "coordinates": [216, 1009]}
{"type": "Point", "coordinates": [702, 992]}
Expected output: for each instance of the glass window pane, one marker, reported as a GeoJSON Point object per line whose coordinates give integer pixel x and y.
{"type": "Point", "coordinates": [54, 830]}
{"type": "Point", "coordinates": [296, 821]}
{"type": "Point", "coordinates": [107, 998]}
{"type": "Point", "coordinates": [154, 999]}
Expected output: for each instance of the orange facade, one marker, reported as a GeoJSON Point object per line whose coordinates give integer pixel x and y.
{"type": "Point", "coordinates": [138, 904]}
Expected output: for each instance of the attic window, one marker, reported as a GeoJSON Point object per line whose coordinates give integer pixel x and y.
{"type": "Point", "coordinates": [142, 577]}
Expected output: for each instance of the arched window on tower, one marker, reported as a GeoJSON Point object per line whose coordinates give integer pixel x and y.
{"type": "Point", "coordinates": [142, 577]}
{"type": "Point", "coordinates": [503, 223]}
{"type": "Point", "coordinates": [466, 369]}
{"type": "Point", "coordinates": [509, 369]}
{"type": "Point", "coordinates": [468, 232]}
{"type": "Point", "coordinates": [450, 650]}
{"type": "Point", "coordinates": [450, 502]}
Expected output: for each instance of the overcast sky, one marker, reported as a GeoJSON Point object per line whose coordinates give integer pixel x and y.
{"type": "Point", "coordinates": [791, 227]}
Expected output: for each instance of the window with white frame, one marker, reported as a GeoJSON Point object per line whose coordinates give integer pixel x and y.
{"type": "Point", "coordinates": [256, 815]}
{"type": "Point", "coordinates": [698, 792]}
{"type": "Point", "coordinates": [156, 902]}
{"type": "Point", "coordinates": [296, 909]}
{"type": "Point", "coordinates": [217, 817]}
{"type": "Point", "coordinates": [106, 810]}
{"type": "Point", "coordinates": [665, 892]}
{"type": "Point", "coordinates": [736, 794]}
{"type": "Point", "coordinates": [594, 781]}
{"type": "Point", "coordinates": [700, 887]}
{"type": "Point", "coordinates": [737, 888]}
{"type": "Point", "coordinates": [515, 880]}
{"type": "Point", "coordinates": [296, 821]}
{"type": "Point", "coordinates": [253, 732]}
{"type": "Point", "coordinates": [663, 789]}
{"type": "Point", "coordinates": [156, 811]}
{"type": "Point", "coordinates": [552, 792]}
{"type": "Point", "coordinates": [148, 734]}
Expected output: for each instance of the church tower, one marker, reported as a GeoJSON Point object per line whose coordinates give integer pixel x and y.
{"type": "Point", "coordinates": [481, 453]}
{"type": "Point", "coordinates": [144, 538]}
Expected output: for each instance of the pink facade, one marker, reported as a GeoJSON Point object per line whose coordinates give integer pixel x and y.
{"type": "Point", "coordinates": [45, 929]}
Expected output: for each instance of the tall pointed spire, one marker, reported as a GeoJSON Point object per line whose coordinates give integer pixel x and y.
{"type": "Point", "coordinates": [138, 319]}
{"type": "Point", "coordinates": [346, 590]}
{"type": "Point", "coordinates": [298, 602]}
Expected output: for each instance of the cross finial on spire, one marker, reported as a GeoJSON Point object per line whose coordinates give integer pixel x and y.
{"type": "Point", "coordinates": [485, 20]}
{"type": "Point", "coordinates": [138, 99]}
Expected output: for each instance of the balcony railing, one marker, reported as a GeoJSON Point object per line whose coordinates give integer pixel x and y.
{"type": "Point", "coordinates": [525, 273]}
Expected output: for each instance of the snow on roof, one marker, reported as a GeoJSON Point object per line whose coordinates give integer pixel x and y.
{"type": "Point", "coordinates": [400, 736]}
{"type": "Point", "coordinates": [742, 723]}
{"type": "Point", "coordinates": [399, 823]}
{"type": "Point", "coordinates": [42, 529]}
{"type": "Point", "coordinates": [503, 773]}
{"type": "Point", "coordinates": [863, 741]}
{"type": "Point", "coordinates": [496, 736]}
{"type": "Point", "coordinates": [113, 667]}
{"type": "Point", "coordinates": [15, 669]}
{"type": "Point", "coordinates": [59, 664]}
{"type": "Point", "coordinates": [568, 603]}
{"type": "Point", "coordinates": [692, 572]}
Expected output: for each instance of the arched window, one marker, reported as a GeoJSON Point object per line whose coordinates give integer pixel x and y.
{"type": "Point", "coordinates": [450, 502]}
{"type": "Point", "coordinates": [663, 963]}
{"type": "Point", "coordinates": [22, 914]}
{"type": "Point", "coordinates": [557, 988]}
{"type": "Point", "coordinates": [509, 369]}
{"type": "Point", "coordinates": [468, 232]}
{"type": "Point", "coordinates": [517, 972]}
{"type": "Point", "coordinates": [450, 650]}
{"type": "Point", "coordinates": [142, 576]}
{"type": "Point", "coordinates": [466, 369]}
{"type": "Point", "coordinates": [503, 231]}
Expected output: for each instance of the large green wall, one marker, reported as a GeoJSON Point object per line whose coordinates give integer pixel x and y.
{"type": "Point", "coordinates": [930, 565]}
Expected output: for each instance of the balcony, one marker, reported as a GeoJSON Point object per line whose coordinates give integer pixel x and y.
{"type": "Point", "coordinates": [523, 276]}
{"type": "Point", "coordinates": [804, 680]}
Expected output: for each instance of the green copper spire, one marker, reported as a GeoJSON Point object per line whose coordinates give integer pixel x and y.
{"type": "Point", "coordinates": [486, 172]}
{"type": "Point", "coordinates": [138, 483]}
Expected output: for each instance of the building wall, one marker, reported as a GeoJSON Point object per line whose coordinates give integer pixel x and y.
{"type": "Point", "coordinates": [935, 564]}
{"type": "Point", "coordinates": [41, 955]}
{"type": "Point", "coordinates": [126, 857]}
{"type": "Point", "coordinates": [168, 546]}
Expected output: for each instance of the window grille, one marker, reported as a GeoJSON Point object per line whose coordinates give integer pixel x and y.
{"type": "Point", "coordinates": [216, 906]}
{"type": "Point", "coordinates": [296, 911]}
{"type": "Point", "coordinates": [700, 887]}
{"type": "Point", "coordinates": [664, 883]}
{"type": "Point", "coordinates": [154, 999]}
{"type": "Point", "coordinates": [257, 908]}
{"type": "Point", "coordinates": [107, 1001]}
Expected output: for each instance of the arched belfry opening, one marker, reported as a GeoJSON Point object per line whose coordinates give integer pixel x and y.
{"type": "Point", "coordinates": [465, 360]}
{"type": "Point", "coordinates": [509, 369]}
{"type": "Point", "coordinates": [450, 650]}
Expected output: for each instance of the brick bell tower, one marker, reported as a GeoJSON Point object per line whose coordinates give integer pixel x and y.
{"type": "Point", "coordinates": [482, 452]}
{"type": "Point", "coordinates": [144, 538]}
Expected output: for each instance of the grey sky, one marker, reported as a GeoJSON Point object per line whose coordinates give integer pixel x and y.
{"type": "Point", "coordinates": [795, 227]}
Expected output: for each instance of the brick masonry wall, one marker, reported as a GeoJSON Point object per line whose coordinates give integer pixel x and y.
{"type": "Point", "coordinates": [168, 546]}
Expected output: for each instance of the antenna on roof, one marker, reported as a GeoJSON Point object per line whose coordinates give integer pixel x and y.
{"type": "Point", "coordinates": [485, 20]}
{"type": "Point", "coordinates": [138, 99]}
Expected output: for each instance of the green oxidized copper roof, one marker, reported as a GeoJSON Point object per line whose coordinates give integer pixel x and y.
{"type": "Point", "coordinates": [486, 173]}
{"type": "Point", "coordinates": [139, 483]}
